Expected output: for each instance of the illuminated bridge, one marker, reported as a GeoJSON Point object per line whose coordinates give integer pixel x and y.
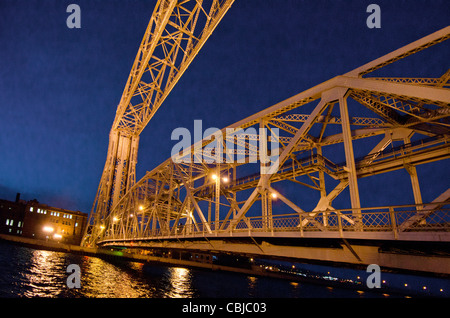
{"type": "Point", "coordinates": [241, 190]}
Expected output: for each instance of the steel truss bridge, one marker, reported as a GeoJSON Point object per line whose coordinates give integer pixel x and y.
{"type": "Point", "coordinates": [216, 197]}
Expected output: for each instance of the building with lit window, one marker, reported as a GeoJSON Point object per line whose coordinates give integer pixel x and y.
{"type": "Point", "coordinates": [40, 221]}
{"type": "Point", "coordinates": [49, 223]}
{"type": "Point", "coordinates": [11, 216]}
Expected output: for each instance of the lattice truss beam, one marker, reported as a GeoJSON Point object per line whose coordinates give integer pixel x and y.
{"type": "Point", "coordinates": [298, 140]}
{"type": "Point", "coordinates": [174, 36]}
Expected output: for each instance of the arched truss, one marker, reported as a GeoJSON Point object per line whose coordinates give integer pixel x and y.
{"type": "Point", "coordinates": [181, 198]}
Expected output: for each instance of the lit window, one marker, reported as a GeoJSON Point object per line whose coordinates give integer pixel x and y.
{"type": "Point", "coordinates": [76, 224]}
{"type": "Point", "coordinates": [71, 216]}
{"type": "Point", "coordinates": [39, 211]}
{"type": "Point", "coordinates": [11, 223]}
{"type": "Point", "coordinates": [7, 221]}
{"type": "Point", "coordinates": [45, 211]}
{"type": "Point", "coordinates": [18, 225]}
{"type": "Point", "coordinates": [31, 209]}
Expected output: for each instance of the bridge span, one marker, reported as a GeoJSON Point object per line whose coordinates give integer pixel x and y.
{"type": "Point", "coordinates": [284, 182]}
{"type": "Point", "coordinates": [333, 237]}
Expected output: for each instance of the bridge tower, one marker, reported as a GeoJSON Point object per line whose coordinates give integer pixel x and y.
{"type": "Point", "coordinates": [175, 34]}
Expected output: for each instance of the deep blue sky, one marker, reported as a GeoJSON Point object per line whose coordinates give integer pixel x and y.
{"type": "Point", "coordinates": [59, 87]}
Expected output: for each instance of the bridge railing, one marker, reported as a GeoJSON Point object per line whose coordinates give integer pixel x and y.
{"type": "Point", "coordinates": [381, 219]}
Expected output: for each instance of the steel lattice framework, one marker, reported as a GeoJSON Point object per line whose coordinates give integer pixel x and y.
{"type": "Point", "coordinates": [175, 34]}
{"type": "Point", "coordinates": [215, 189]}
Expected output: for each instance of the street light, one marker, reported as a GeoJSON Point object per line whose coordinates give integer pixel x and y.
{"type": "Point", "coordinates": [48, 229]}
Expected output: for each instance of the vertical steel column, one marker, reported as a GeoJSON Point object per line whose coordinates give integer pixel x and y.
{"type": "Point", "coordinates": [121, 167]}
{"type": "Point", "coordinates": [349, 155]}
{"type": "Point", "coordinates": [217, 196]}
{"type": "Point", "coordinates": [323, 191]}
{"type": "Point", "coordinates": [131, 176]}
{"type": "Point", "coordinates": [266, 201]}
{"type": "Point", "coordinates": [412, 171]}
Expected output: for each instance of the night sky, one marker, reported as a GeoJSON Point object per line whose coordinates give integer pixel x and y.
{"type": "Point", "coordinates": [59, 87]}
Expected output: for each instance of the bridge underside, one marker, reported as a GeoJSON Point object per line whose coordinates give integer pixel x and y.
{"type": "Point", "coordinates": [416, 254]}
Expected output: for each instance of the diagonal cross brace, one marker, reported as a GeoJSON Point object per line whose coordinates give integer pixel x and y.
{"type": "Point", "coordinates": [191, 196]}
{"type": "Point", "coordinates": [301, 133]}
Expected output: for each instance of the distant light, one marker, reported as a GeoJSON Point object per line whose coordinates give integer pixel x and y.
{"type": "Point", "coordinates": [57, 236]}
{"type": "Point", "coordinates": [274, 195]}
{"type": "Point", "coordinates": [115, 219]}
{"type": "Point", "coordinates": [225, 179]}
{"type": "Point", "coordinates": [48, 229]}
{"type": "Point", "coordinates": [102, 227]}
{"type": "Point", "coordinates": [131, 215]}
{"type": "Point", "coordinates": [424, 287]}
{"type": "Point", "coordinates": [141, 207]}
{"type": "Point", "coordinates": [214, 176]}
{"type": "Point", "coordinates": [441, 290]}
{"type": "Point", "coordinates": [406, 285]}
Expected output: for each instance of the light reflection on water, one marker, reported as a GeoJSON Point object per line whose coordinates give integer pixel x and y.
{"type": "Point", "coordinates": [26, 272]}
{"type": "Point", "coordinates": [45, 274]}
{"type": "Point", "coordinates": [180, 283]}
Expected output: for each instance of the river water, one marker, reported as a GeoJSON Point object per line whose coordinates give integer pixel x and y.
{"type": "Point", "coordinates": [27, 272]}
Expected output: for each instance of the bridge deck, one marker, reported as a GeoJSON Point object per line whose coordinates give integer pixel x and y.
{"type": "Point", "coordinates": [427, 223]}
